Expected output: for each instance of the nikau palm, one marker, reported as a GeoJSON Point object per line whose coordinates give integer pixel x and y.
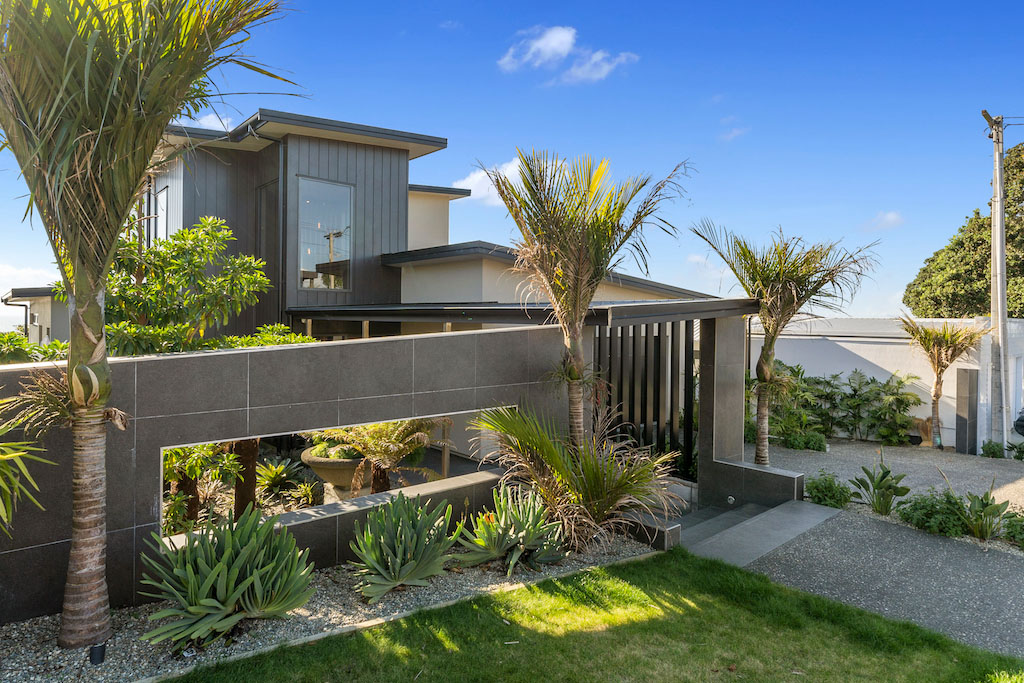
{"type": "Point", "coordinates": [575, 228]}
{"type": "Point", "coordinates": [785, 276]}
{"type": "Point", "coordinates": [942, 346]}
{"type": "Point", "coordinates": [87, 88]}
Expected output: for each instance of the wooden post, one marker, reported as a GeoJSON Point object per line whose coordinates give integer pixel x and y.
{"type": "Point", "coordinates": [309, 327]}
{"type": "Point", "coordinates": [446, 448]}
{"type": "Point", "coordinates": [366, 329]}
{"type": "Point", "coordinates": [447, 327]}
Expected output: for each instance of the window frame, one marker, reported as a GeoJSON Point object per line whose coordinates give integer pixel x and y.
{"type": "Point", "coordinates": [298, 232]}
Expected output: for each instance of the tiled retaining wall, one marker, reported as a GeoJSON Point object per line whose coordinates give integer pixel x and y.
{"type": "Point", "coordinates": [183, 399]}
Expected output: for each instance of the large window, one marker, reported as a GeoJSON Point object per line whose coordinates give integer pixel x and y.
{"type": "Point", "coordinates": [325, 234]}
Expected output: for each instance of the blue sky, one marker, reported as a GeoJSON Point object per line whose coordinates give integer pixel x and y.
{"type": "Point", "coordinates": [853, 121]}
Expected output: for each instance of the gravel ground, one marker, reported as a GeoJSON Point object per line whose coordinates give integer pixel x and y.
{"type": "Point", "coordinates": [965, 472]}
{"type": "Point", "coordinates": [973, 594]}
{"type": "Point", "coordinates": [29, 652]}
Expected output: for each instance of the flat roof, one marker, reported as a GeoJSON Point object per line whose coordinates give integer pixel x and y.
{"type": "Point", "coordinates": [268, 125]}
{"type": "Point", "coordinates": [613, 313]}
{"type": "Point", "coordinates": [22, 293]}
{"type": "Point", "coordinates": [450, 192]}
{"type": "Point", "coordinates": [462, 251]}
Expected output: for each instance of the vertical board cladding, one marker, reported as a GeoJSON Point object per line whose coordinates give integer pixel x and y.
{"type": "Point", "coordinates": [169, 177]}
{"type": "Point", "coordinates": [379, 177]}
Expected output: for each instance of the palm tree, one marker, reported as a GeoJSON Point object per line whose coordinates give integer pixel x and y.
{"type": "Point", "coordinates": [785, 276]}
{"type": "Point", "coordinates": [384, 445]}
{"type": "Point", "coordinates": [575, 228]}
{"type": "Point", "coordinates": [87, 88]}
{"type": "Point", "coordinates": [942, 346]}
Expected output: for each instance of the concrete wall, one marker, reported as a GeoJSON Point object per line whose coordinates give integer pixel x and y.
{"type": "Point", "coordinates": [428, 220]}
{"type": "Point", "coordinates": [879, 348]}
{"type": "Point", "coordinates": [184, 399]}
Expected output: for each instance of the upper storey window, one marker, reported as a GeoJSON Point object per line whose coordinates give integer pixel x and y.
{"type": "Point", "coordinates": [325, 234]}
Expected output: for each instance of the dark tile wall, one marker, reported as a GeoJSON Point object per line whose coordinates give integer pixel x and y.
{"type": "Point", "coordinates": [184, 399]}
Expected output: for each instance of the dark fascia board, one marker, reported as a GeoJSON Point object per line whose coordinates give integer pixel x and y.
{"type": "Point", "coordinates": [615, 314]}
{"type": "Point", "coordinates": [481, 249]}
{"type": "Point", "coordinates": [192, 132]}
{"type": "Point", "coordinates": [450, 192]}
{"type": "Point", "coordinates": [19, 293]}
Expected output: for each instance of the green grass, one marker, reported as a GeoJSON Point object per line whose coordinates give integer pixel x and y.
{"type": "Point", "coordinates": [673, 617]}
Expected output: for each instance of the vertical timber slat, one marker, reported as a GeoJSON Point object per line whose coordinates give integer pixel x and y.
{"type": "Point", "coordinates": [688, 397]}
{"type": "Point", "coordinates": [673, 404]}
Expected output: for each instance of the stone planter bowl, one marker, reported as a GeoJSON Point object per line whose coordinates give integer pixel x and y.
{"type": "Point", "coordinates": [335, 471]}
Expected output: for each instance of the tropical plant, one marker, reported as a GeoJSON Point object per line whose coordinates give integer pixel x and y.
{"type": "Point", "coordinates": [575, 228]}
{"type": "Point", "coordinates": [879, 488]}
{"type": "Point", "coordinates": [518, 530]}
{"type": "Point", "coordinates": [826, 489]}
{"type": "Point", "coordinates": [384, 445]}
{"type": "Point", "coordinates": [185, 467]}
{"type": "Point", "coordinates": [593, 488]}
{"type": "Point", "coordinates": [936, 512]}
{"type": "Point", "coordinates": [942, 346]}
{"type": "Point", "coordinates": [785, 276]}
{"type": "Point", "coordinates": [86, 92]}
{"type": "Point", "coordinates": [860, 394]}
{"type": "Point", "coordinates": [275, 475]}
{"type": "Point", "coordinates": [218, 578]}
{"type": "Point", "coordinates": [1013, 527]}
{"type": "Point", "coordinates": [992, 449]}
{"type": "Point", "coordinates": [889, 419]}
{"type": "Point", "coordinates": [982, 515]}
{"type": "Point", "coordinates": [15, 479]}
{"type": "Point", "coordinates": [308, 493]}
{"type": "Point", "coordinates": [402, 544]}
{"type": "Point", "coordinates": [326, 446]}
{"type": "Point", "coordinates": [16, 348]}
{"type": "Point", "coordinates": [1014, 450]}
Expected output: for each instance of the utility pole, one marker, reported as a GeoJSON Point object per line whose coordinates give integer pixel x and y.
{"type": "Point", "coordinates": [1000, 410]}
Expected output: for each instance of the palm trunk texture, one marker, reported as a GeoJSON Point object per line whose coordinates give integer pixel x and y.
{"type": "Point", "coordinates": [936, 427]}
{"type": "Point", "coordinates": [574, 385]}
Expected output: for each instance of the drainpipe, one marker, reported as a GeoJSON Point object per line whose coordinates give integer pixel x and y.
{"type": "Point", "coordinates": [24, 306]}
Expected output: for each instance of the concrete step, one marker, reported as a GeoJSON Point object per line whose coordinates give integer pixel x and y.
{"type": "Point", "coordinates": [743, 542]}
{"type": "Point", "coordinates": [705, 523]}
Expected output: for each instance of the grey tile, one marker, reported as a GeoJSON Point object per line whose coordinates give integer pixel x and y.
{"type": "Point", "coordinates": [503, 358]}
{"type": "Point", "coordinates": [191, 383]}
{"type": "Point", "coordinates": [289, 419]}
{"type": "Point", "coordinates": [304, 373]}
{"type": "Point", "coordinates": [505, 395]}
{"type": "Point", "coordinates": [378, 367]}
{"type": "Point", "coordinates": [445, 361]}
{"type": "Point", "coordinates": [547, 348]}
{"type": "Point", "coordinates": [122, 380]}
{"type": "Point", "coordinates": [154, 433]}
{"type": "Point", "coordinates": [33, 526]}
{"type": "Point", "coordinates": [379, 409]}
{"type": "Point", "coordinates": [121, 567]}
{"type": "Point", "coordinates": [120, 476]}
{"type": "Point", "coordinates": [320, 535]}
{"type": "Point", "coordinates": [444, 402]}
{"type": "Point", "coordinates": [39, 588]}
{"type": "Point", "coordinates": [143, 538]}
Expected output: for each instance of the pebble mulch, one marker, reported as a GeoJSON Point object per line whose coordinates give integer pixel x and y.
{"type": "Point", "coordinates": [29, 652]}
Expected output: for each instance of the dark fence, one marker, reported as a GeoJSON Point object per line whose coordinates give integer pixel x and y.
{"type": "Point", "coordinates": [651, 383]}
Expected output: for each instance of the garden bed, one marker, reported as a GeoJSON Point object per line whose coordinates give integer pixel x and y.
{"type": "Point", "coordinates": [28, 649]}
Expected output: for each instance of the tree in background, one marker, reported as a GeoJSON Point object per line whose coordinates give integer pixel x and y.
{"type": "Point", "coordinates": [87, 89]}
{"type": "Point", "coordinates": [785, 276]}
{"type": "Point", "coordinates": [942, 346]}
{"type": "Point", "coordinates": [955, 281]}
{"type": "Point", "coordinates": [575, 228]}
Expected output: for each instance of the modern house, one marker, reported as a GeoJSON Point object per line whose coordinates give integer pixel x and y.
{"type": "Point", "coordinates": [353, 249]}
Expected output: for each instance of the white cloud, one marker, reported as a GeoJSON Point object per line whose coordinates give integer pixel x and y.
{"type": "Point", "coordinates": [886, 220]}
{"type": "Point", "coordinates": [213, 121]}
{"type": "Point", "coordinates": [590, 67]}
{"type": "Point", "coordinates": [708, 276]}
{"type": "Point", "coordinates": [716, 98]}
{"type": "Point", "coordinates": [450, 25]}
{"type": "Point", "coordinates": [733, 133]}
{"type": "Point", "coordinates": [540, 46]}
{"type": "Point", "coordinates": [480, 184]}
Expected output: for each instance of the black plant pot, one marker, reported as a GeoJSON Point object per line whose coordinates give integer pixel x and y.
{"type": "Point", "coordinates": [97, 653]}
{"type": "Point", "coordinates": [915, 439]}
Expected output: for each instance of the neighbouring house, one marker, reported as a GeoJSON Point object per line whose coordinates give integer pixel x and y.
{"type": "Point", "coordinates": [879, 347]}
{"type": "Point", "coordinates": [46, 317]}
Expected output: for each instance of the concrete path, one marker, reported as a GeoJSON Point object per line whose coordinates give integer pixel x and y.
{"type": "Point", "coordinates": [957, 588]}
{"type": "Point", "coordinates": [965, 472]}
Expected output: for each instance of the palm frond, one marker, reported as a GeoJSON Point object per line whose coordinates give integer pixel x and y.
{"type": "Point", "coordinates": [944, 344]}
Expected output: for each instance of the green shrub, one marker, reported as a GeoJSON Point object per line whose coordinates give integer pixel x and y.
{"type": "Point", "coordinates": [808, 441]}
{"type": "Point", "coordinates": [220, 577]}
{"type": "Point", "coordinates": [1013, 527]}
{"type": "Point", "coordinates": [826, 489]}
{"type": "Point", "coordinates": [983, 516]}
{"type": "Point", "coordinates": [1004, 677]}
{"type": "Point", "coordinates": [277, 474]}
{"type": "Point", "coordinates": [517, 530]}
{"type": "Point", "coordinates": [308, 493]}
{"type": "Point", "coordinates": [1016, 450]}
{"type": "Point", "coordinates": [889, 418]}
{"type": "Point", "coordinates": [402, 544]}
{"type": "Point", "coordinates": [992, 449]}
{"type": "Point", "coordinates": [879, 488]}
{"type": "Point", "coordinates": [935, 512]}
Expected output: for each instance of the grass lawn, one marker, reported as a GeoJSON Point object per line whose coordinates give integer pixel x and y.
{"type": "Point", "coordinates": [672, 617]}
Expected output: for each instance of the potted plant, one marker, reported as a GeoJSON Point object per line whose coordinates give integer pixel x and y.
{"type": "Point", "coordinates": [332, 460]}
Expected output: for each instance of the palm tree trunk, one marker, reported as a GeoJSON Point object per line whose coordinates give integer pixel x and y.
{"type": "Point", "coordinates": [575, 369]}
{"type": "Point", "coordinates": [936, 427]}
{"type": "Point", "coordinates": [761, 447]}
{"type": "Point", "coordinates": [380, 478]}
{"type": "Point", "coordinates": [86, 613]}
{"type": "Point", "coordinates": [245, 484]}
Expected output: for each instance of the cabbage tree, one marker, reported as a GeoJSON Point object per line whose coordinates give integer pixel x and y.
{"type": "Point", "coordinates": [87, 88]}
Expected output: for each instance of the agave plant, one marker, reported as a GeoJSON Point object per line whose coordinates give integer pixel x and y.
{"type": "Point", "coordinates": [879, 488]}
{"type": "Point", "coordinates": [402, 544]}
{"type": "Point", "coordinates": [593, 489]}
{"type": "Point", "coordinates": [518, 530]}
{"type": "Point", "coordinates": [216, 579]}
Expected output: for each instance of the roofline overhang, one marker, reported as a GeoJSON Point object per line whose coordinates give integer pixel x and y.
{"type": "Point", "coordinates": [450, 192]}
{"type": "Point", "coordinates": [22, 293]}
